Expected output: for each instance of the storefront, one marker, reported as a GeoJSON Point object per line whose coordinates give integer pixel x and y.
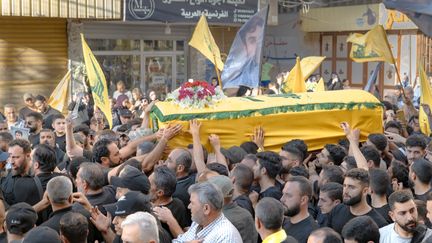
{"type": "Point", "coordinates": [403, 37]}
{"type": "Point", "coordinates": [148, 57]}
{"type": "Point", "coordinates": [34, 42]}
{"type": "Point", "coordinates": [149, 49]}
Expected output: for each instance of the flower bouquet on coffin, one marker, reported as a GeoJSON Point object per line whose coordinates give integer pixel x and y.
{"type": "Point", "coordinates": [196, 95]}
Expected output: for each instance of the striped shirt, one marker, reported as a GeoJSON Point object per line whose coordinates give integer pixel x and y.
{"type": "Point", "coordinates": [219, 231]}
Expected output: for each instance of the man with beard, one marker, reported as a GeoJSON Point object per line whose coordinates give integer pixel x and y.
{"type": "Point", "coordinates": [405, 227]}
{"type": "Point", "coordinates": [34, 122]}
{"type": "Point", "coordinates": [420, 174]}
{"type": "Point", "coordinates": [355, 191]}
{"type": "Point", "coordinates": [46, 136]}
{"type": "Point", "coordinates": [415, 147]}
{"type": "Point", "coordinates": [296, 195]}
{"type": "Point", "coordinates": [106, 153]}
{"type": "Point", "coordinates": [19, 185]}
{"type": "Point", "coordinates": [265, 171]}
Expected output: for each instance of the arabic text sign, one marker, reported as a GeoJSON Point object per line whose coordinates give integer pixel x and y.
{"type": "Point", "coordinates": [217, 11]}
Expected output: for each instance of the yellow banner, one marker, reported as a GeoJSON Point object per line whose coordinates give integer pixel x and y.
{"type": "Point", "coordinates": [203, 41]}
{"type": "Point", "coordinates": [425, 99]}
{"type": "Point", "coordinates": [97, 82]}
{"type": "Point", "coordinates": [307, 66]}
{"type": "Point", "coordinates": [371, 47]}
{"type": "Point", "coordinates": [59, 97]}
{"type": "Point", "coordinates": [314, 117]}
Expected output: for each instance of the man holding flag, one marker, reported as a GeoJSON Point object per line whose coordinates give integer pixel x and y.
{"type": "Point", "coordinates": [242, 67]}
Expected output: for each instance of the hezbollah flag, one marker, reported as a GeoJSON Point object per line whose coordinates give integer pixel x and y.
{"type": "Point", "coordinates": [425, 99]}
{"type": "Point", "coordinates": [59, 97]}
{"type": "Point", "coordinates": [306, 66]}
{"type": "Point", "coordinates": [294, 83]}
{"type": "Point", "coordinates": [320, 86]}
{"type": "Point", "coordinates": [371, 47]}
{"type": "Point", "coordinates": [203, 41]}
{"type": "Point", "coordinates": [97, 82]}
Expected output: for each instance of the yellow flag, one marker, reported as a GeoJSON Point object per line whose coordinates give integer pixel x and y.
{"type": "Point", "coordinates": [320, 85]}
{"type": "Point", "coordinates": [425, 99]}
{"type": "Point", "coordinates": [307, 66]}
{"type": "Point", "coordinates": [371, 47]}
{"type": "Point", "coordinates": [59, 97]}
{"type": "Point", "coordinates": [203, 41]}
{"type": "Point", "coordinates": [294, 82]}
{"type": "Point", "coordinates": [97, 82]}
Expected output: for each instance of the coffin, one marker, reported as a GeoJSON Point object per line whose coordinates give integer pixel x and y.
{"type": "Point", "coordinates": [314, 117]}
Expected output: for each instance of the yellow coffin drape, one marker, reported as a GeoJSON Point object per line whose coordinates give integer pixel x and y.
{"type": "Point", "coordinates": [314, 117]}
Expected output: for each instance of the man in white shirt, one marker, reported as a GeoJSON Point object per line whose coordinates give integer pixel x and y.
{"type": "Point", "coordinates": [209, 224]}
{"type": "Point", "coordinates": [405, 229]}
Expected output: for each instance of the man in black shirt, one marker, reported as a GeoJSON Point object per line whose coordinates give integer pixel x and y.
{"type": "Point", "coordinates": [44, 163]}
{"type": "Point", "coordinates": [59, 126]}
{"type": "Point", "coordinates": [19, 185]}
{"type": "Point", "coordinates": [47, 137]}
{"type": "Point", "coordinates": [296, 195]}
{"type": "Point", "coordinates": [33, 122]}
{"type": "Point", "coordinates": [379, 182]}
{"type": "Point", "coordinates": [106, 153]}
{"type": "Point", "coordinates": [29, 106]}
{"type": "Point", "coordinates": [421, 174]}
{"type": "Point", "coordinates": [180, 161]}
{"type": "Point", "coordinates": [266, 169]}
{"type": "Point", "coordinates": [59, 191]}
{"type": "Point", "coordinates": [355, 190]}
{"type": "Point", "coordinates": [162, 186]}
{"type": "Point", "coordinates": [90, 181]}
{"type": "Point", "coordinates": [242, 177]}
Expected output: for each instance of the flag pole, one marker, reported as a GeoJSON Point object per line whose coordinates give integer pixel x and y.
{"type": "Point", "coordinates": [217, 71]}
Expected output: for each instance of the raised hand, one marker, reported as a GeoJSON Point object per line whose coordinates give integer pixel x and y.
{"type": "Point", "coordinates": [215, 141]}
{"type": "Point", "coordinates": [258, 137]}
{"type": "Point", "coordinates": [171, 131]}
{"type": "Point", "coordinates": [100, 221]}
{"type": "Point", "coordinates": [194, 127]}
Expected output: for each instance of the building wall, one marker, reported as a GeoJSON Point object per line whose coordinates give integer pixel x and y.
{"type": "Point", "coordinates": [33, 56]}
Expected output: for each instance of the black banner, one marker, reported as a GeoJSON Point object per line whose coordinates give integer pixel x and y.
{"type": "Point", "coordinates": [183, 11]}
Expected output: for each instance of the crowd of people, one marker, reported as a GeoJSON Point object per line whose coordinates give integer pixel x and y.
{"type": "Point", "coordinates": [75, 180]}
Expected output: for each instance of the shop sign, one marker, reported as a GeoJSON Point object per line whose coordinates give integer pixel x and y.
{"type": "Point", "coordinates": [189, 11]}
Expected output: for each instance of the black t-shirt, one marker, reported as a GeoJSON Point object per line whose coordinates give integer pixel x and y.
{"type": "Point", "coordinates": [301, 230]}
{"type": "Point", "coordinates": [341, 214]}
{"type": "Point", "coordinates": [107, 196]}
{"type": "Point", "coordinates": [244, 202]}
{"type": "Point", "coordinates": [61, 142]}
{"type": "Point", "coordinates": [273, 192]}
{"type": "Point", "coordinates": [182, 186]}
{"type": "Point", "coordinates": [179, 211]}
{"type": "Point", "coordinates": [423, 197]}
{"type": "Point", "coordinates": [59, 155]}
{"type": "Point", "coordinates": [322, 219]}
{"type": "Point", "coordinates": [34, 139]}
{"type": "Point", "coordinates": [54, 221]}
{"type": "Point", "coordinates": [3, 237]}
{"type": "Point", "coordinates": [384, 211]}
{"type": "Point", "coordinates": [46, 177]}
{"type": "Point", "coordinates": [16, 188]}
